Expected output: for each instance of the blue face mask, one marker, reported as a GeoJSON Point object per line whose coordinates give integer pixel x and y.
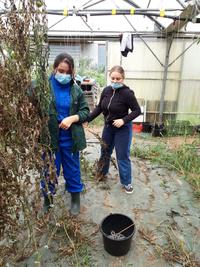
{"type": "Point", "coordinates": [116, 85]}
{"type": "Point", "coordinates": [63, 78]}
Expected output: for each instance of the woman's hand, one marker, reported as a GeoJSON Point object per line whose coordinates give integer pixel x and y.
{"type": "Point", "coordinates": [67, 122]}
{"type": "Point", "coordinates": [85, 124]}
{"type": "Point", "coordinates": [118, 123]}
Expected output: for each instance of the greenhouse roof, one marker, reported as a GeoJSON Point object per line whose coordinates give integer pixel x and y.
{"type": "Point", "coordinates": [110, 17]}
{"type": "Point", "coordinates": [106, 19]}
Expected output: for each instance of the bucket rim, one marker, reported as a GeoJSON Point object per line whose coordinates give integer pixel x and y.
{"type": "Point", "coordinates": [118, 240]}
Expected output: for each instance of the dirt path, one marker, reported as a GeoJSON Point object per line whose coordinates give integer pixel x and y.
{"type": "Point", "coordinates": [162, 206]}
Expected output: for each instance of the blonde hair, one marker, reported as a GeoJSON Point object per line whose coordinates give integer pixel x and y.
{"type": "Point", "coordinates": [118, 69]}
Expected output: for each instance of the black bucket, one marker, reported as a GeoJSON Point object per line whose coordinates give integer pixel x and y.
{"type": "Point", "coordinates": [146, 127]}
{"type": "Point", "coordinates": [115, 223]}
{"type": "Point", "coordinates": [158, 130]}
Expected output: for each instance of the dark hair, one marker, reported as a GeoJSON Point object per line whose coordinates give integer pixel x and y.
{"type": "Point", "coordinates": [118, 69]}
{"type": "Point", "coordinates": [64, 57]}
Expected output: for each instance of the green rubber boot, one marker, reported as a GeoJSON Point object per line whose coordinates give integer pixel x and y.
{"type": "Point", "coordinates": [48, 203]}
{"type": "Point", "coordinates": [75, 203]}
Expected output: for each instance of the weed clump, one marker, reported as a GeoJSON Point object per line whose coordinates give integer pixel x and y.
{"type": "Point", "coordinates": [185, 159]}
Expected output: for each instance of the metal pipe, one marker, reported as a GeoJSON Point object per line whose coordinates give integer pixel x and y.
{"type": "Point", "coordinates": [149, 34]}
{"type": "Point", "coordinates": [180, 77]}
{"type": "Point", "coordinates": [182, 53]}
{"type": "Point", "coordinates": [136, 8]}
{"type": "Point", "coordinates": [109, 13]}
{"type": "Point", "coordinates": [169, 43]}
{"type": "Point", "coordinates": [94, 13]}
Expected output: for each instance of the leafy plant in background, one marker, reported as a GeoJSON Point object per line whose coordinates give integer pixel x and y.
{"type": "Point", "coordinates": [85, 68]}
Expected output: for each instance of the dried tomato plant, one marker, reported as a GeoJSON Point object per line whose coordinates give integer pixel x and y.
{"type": "Point", "coordinates": [23, 109]}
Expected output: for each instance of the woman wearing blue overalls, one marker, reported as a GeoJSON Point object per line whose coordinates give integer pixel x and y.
{"type": "Point", "coordinates": [68, 109]}
{"type": "Point", "coordinates": [115, 102]}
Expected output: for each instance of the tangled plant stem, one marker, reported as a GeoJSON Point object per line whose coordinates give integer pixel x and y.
{"type": "Point", "coordinates": [23, 123]}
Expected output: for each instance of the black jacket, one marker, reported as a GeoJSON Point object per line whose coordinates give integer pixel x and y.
{"type": "Point", "coordinates": [115, 104]}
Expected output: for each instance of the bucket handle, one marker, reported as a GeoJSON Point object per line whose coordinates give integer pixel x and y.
{"type": "Point", "coordinates": [125, 229]}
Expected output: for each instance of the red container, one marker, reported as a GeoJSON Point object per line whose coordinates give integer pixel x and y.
{"type": "Point", "coordinates": [137, 128]}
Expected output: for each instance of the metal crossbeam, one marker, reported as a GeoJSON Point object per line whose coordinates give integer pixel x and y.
{"type": "Point", "coordinates": [188, 14]}
{"type": "Point", "coordinates": [158, 24]}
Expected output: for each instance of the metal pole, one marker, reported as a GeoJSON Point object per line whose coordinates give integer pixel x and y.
{"type": "Point", "coordinates": [169, 43]}
{"type": "Point", "coordinates": [180, 79]}
{"type": "Point", "coordinates": [109, 13]}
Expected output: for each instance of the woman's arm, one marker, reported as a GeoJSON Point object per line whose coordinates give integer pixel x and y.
{"type": "Point", "coordinates": [134, 106]}
{"type": "Point", "coordinates": [83, 109]}
{"type": "Point", "coordinates": [67, 122]}
{"type": "Point", "coordinates": [81, 114]}
{"type": "Point", "coordinates": [97, 111]}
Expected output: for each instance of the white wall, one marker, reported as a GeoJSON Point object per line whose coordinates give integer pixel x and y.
{"type": "Point", "coordinates": [90, 51]}
{"type": "Point", "coordinates": [144, 73]}
{"type": "Point", "coordinates": [55, 49]}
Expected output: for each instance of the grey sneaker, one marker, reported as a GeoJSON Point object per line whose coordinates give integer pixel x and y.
{"type": "Point", "coordinates": [128, 189]}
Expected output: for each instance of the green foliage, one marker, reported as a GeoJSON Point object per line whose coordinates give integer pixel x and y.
{"type": "Point", "coordinates": [84, 256]}
{"type": "Point", "coordinates": [185, 160]}
{"type": "Point", "coordinates": [179, 127]}
{"type": "Point", "coordinates": [83, 65]}
{"type": "Point", "coordinates": [85, 68]}
{"type": "Point", "coordinates": [148, 152]}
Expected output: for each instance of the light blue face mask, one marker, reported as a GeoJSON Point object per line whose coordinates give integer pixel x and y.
{"type": "Point", "coordinates": [63, 78]}
{"type": "Point", "coordinates": [116, 85]}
